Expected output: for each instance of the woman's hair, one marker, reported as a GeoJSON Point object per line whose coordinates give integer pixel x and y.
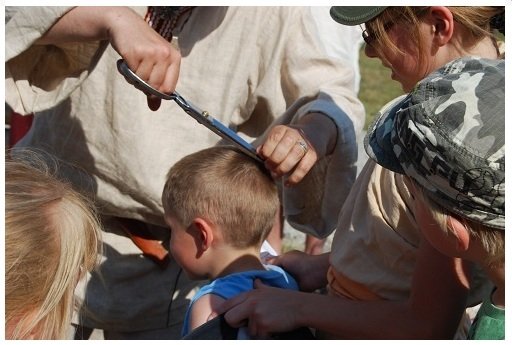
{"type": "Point", "coordinates": [478, 22]}
{"type": "Point", "coordinates": [227, 187]}
{"type": "Point", "coordinates": [52, 240]}
{"type": "Point", "coordinates": [492, 240]}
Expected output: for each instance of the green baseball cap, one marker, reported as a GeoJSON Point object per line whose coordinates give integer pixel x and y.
{"type": "Point", "coordinates": [355, 15]}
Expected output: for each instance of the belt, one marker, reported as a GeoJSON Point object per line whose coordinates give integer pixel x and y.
{"type": "Point", "coordinates": [139, 233]}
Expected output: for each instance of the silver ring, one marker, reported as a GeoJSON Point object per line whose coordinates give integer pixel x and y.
{"type": "Point", "coordinates": [303, 145]}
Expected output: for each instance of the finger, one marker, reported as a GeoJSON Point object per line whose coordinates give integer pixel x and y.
{"type": "Point", "coordinates": [284, 151]}
{"type": "Point", "coordinates": [253, 329]}
{"type": "Point", "coordinates": [294, 156]}
{"type": "Point", "coordinates": [171, 76]}
{"type": "Point", "coordinates": [272, 140]}
{"type": "Point", "coordinates": [157, 76]}
{"type": "Point", "coordinates": [258, 284]}
{"type": "Point", "coordinates": [306, 163]}
{"type": "Point", "coordinates": [144, 70]}
{"type": "Point", "coordinates": [231, 303]}
{"type": "Point", "coordinates": [237, 316]}
{"type": "Point", "coordinates": [256, 329]}
{"type": "Point", "coordinates": [154, 102]}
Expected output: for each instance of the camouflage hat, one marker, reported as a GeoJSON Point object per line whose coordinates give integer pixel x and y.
{"type": "Point", "coordinates": [448, 135]}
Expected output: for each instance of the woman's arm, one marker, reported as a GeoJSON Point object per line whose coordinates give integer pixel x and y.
{"type": "Point", "coordinates": [433, 310]}
{"type": "Point", "coordinates": [149, 55]}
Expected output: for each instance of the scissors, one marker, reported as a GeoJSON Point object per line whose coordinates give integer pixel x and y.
{"type": "Point", "coordinates": [203, 117]}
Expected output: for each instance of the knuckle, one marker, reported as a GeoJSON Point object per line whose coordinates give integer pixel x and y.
{"type": "Point", "coordinates": [276, 134]}
{"type": "Point", "coordinates": [164, 52]}
{"type": "Point", "coordinates": [289, 140]}
{"type": "Point", "coordinates": [279, 171]}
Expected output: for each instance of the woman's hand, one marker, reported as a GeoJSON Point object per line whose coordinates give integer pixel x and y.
{"type": "Point", "coordinates": [310, 271]}
{"type": "Point", "coordinates": [149, 55]}
{"type": "Point", "coordinates": [295, 149]}
{"type": "Point", "coordinates": [264, 310]}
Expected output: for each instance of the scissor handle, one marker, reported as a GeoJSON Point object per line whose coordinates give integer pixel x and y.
{"type": "Point", "coordinates": [123, 68]}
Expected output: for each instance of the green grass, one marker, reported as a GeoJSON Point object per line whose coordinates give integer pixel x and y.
{"type": "Point", "coordinates": [377, 87]}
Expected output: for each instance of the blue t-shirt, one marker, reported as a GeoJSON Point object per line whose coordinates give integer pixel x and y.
{"type": "Point", "coordinates": [236, 283]}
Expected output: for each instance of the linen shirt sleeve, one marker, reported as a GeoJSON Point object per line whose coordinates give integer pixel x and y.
{"type": "Point", "coordinates": [38, 77]}
{"type": "Point", "coordinates": [317, 83]}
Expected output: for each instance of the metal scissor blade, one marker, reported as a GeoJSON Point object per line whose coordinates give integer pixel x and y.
{"type": "Point", "coordinates": [203, 117]}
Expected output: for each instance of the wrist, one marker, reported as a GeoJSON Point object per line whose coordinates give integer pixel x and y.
{"type": "Point", "coordinates": [321, 131]}
{"type": "Point", "coordinates": [114, 20]}
{"type": "Point", "coordinates": [321, 268]}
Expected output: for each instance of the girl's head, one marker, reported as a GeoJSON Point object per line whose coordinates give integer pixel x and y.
{"type": "Point", "coordinates": [52, 240]}
{"type": "Point", "coordinates": [414, 41]}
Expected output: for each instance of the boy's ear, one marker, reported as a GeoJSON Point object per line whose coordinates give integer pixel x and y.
{"type": "Point", "coordinates": [461, 233]}
{"type": "Point", "coordinates": [442, 24]}
{"type": "Point", "coordinates": [205, 232]}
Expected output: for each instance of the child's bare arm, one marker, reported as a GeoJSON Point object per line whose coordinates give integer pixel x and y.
{"type": "Point", "coordinates": [202, 308]}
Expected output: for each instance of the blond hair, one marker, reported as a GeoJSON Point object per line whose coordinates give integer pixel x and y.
{"type": "Point", "coordinates": [476, 22]}
{"type": "Point", "coordinates": [228, 188]}
{"type": "Point", "coordinates": [491, 239]}
{"type": "Point", "coordinates": [52, 239]}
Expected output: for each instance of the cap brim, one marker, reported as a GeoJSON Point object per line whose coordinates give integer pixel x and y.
{"type": "Point", "coordinates": [377, 142]}
{"type": "Point", "coordinates": [355, 15]}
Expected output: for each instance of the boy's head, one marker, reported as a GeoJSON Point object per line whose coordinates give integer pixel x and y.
{"type": "Point", "coordinates": [225, 188]}
{"type": "Point", "coordinates": [448, 135]}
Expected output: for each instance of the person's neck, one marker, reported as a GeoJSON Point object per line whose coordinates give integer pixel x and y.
{"type": "Point", "coordinates": [497, 275]}
{"type": "Point", "coordinates": [230, 260]}
{"type": "Point", "coordinates": [484, 49]}
{"type": "Point", "coordinates": [495, 272]}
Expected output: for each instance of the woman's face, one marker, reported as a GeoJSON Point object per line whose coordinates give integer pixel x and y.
{"type": "Point", "coordinates": [405, 67]}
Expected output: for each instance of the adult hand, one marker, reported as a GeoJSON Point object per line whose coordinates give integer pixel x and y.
{"type": "Point", "coordinates": [264, 310]}
{"type": "Point", "coordinates": [149, 55]}
{"type": "Point", "coordinates": [295, 149]}
{"type": "Point", "coordinates": [310, 271]}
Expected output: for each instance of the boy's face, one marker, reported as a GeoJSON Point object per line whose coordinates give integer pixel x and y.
{"type": "Point", "coordinates": [444, 242]}
{"type": "Point", "coordinates": [183, 247]}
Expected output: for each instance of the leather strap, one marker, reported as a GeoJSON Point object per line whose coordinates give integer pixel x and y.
{"type": "Point", "coordinates": [141, 237]}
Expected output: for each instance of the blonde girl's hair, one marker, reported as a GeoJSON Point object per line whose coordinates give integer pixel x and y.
{"type": "Point", "coordinates": [52, 240]}
{"type": "Point", "coordinates": [477, 22]}
{"type": "Point", "coordinates": [227, 187]}
{"type": "Point", "coordinates": [492, 240]}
